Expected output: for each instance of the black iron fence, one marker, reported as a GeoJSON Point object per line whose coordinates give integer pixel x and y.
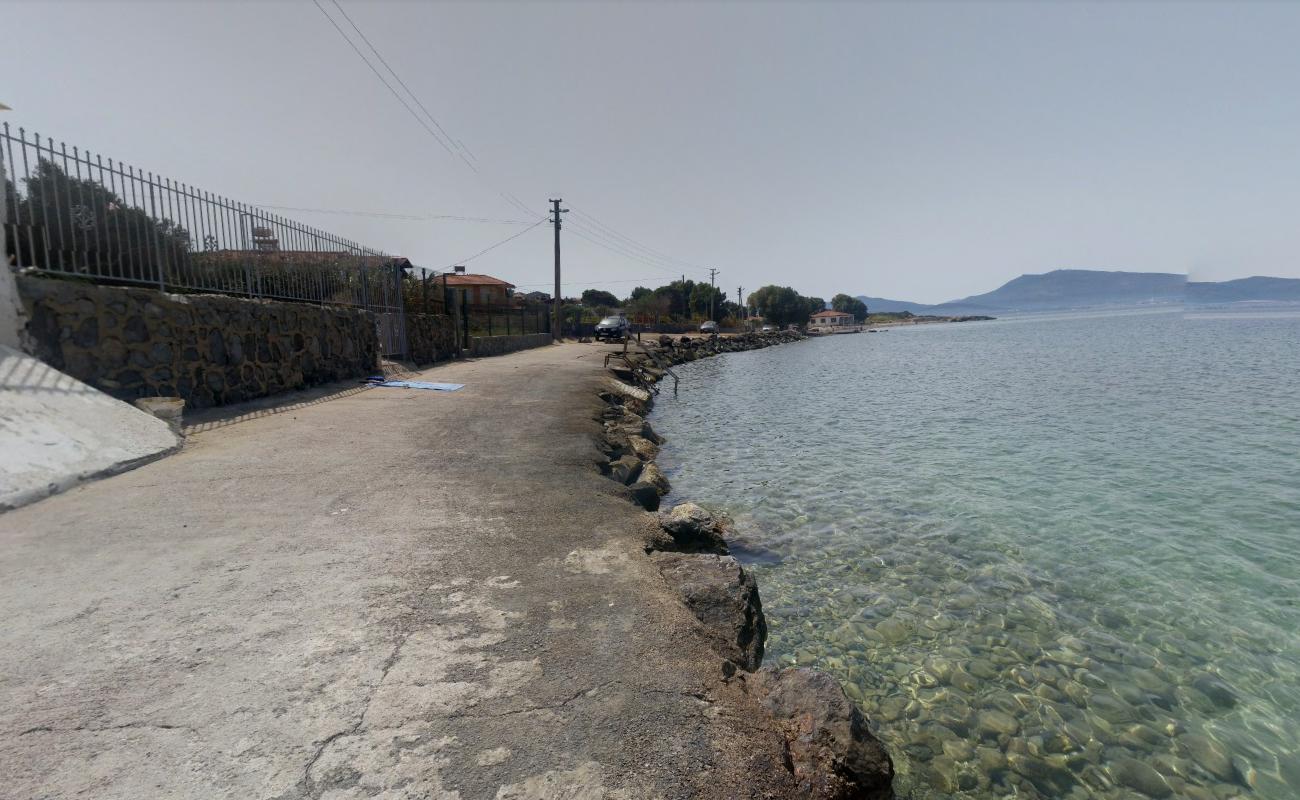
{"type": "Point", "coordinates": [75, 213]}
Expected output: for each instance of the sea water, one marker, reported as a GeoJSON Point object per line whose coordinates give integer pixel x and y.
{"type": "Point", "coordinates": [1047, 556]}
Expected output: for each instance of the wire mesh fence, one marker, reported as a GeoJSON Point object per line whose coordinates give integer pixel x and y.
{"type": "Point", "coordinates": [74, 213]}
{"type": "Point", "coordinates": [507, 320]}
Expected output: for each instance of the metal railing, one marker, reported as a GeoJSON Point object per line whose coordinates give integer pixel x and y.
{"type": "Point", "coordinates": [75, 213]}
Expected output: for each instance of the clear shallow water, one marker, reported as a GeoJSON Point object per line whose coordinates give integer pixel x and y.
{"type": "Point", "coordinates": [1049, 557]}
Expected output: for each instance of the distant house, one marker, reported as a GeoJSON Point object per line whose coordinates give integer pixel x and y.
{"type": "Point", "coordinates": [537, 297]}
{"type": "Point", "coordinates": [833, 322]}
{"type": "Point", "coordinates": [483, 290]}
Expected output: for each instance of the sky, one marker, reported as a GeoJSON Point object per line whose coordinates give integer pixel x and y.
{"type": "Point", "coordinates": [920, 151]}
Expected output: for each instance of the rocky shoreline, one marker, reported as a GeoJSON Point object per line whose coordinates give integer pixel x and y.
{"type": "Point", "coordinates": [828, 748]}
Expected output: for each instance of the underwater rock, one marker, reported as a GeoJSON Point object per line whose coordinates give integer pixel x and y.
{"type": "Point", "coordinates": [1136, 775]}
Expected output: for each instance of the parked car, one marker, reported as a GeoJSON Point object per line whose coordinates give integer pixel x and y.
{"type": "Point", "coordinates": [612, 328]}
{"type": "Point", "coordinates": [769, 329]}
{"type": "Point", "coordinates": [709, 327]}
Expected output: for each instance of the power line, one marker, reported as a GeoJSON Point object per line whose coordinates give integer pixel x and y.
{"type": "Point", "coordinates": [635, 243]}
{"type": "Point", "coordinates": [462, 151]}
{"type": "Point", "coordinates": [381, 77]}
{"type": "Point", "coordinates": [498, 244]}
{"type": "Point", "coordinates": [591, 281]}
{"type": "Point", "coordinates": [614, 248]}
{"type": "Point", "coordinates": [393, 72]}
{"type": "Point", "coordinates": [386, 215]}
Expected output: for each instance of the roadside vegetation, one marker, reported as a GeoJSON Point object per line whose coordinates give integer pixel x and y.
{"type": "Point", "coordinates": [688, 302]}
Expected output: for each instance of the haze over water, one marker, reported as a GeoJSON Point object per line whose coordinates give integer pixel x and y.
{"type": "Point", "coordinates": [1050, 557]}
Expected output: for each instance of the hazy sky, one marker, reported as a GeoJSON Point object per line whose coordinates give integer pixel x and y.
{"type": "Point", "coordinates": [916, 151]}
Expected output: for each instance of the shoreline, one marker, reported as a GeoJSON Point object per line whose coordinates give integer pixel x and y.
{"type": "Point", "coordinates": [360, 590]}
{"type": "Point", "coordinates": [829, 749]}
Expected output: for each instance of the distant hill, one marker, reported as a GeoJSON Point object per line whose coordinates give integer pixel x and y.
{"type": "Point", "coordinates": [1257, 289]}
{"type": "Point", "coordinates": [883, 305]}
{"type": "Point", "coordinates": [1065, 289]}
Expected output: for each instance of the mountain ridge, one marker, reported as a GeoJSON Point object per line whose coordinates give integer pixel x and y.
{"type": "Point", "coordinates": [1065, 289]}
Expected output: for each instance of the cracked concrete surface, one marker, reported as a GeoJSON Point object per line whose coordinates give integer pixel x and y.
{"type": "Point", "coordinates": [394, 594]}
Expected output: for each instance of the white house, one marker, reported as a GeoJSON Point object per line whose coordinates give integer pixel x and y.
{"type": "Point", "coordinates": [833, 322]}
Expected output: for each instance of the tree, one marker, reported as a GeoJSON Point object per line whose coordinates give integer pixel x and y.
{"type": "Point", "coordinates": [781, 305]}
{"type": "Point", "coordinates": [598, 298]}
{"type": "Point", "coordinates": [77, 224]}
{"type": "Point", "coordinates": [701, 294]}
{"type": "Point", "coordinates": [850, 305]}
{"type": "Point", "coordinates": [649, 307]}
{"type": "Point", "coordinates": [638, 293]}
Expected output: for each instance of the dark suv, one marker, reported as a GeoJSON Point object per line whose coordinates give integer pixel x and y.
{"type": "Point", "coordinates": [612, 328]}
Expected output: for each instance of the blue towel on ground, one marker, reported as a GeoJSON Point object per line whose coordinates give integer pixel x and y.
{"type": "Point", "coordinates": [437, 387]}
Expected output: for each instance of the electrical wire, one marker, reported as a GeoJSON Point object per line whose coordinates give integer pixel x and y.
{"type": "Point", "coordinates": [633, 242]}
{"type": "Point", "coordinates": [386, 215]}
{"type": "Point", "coordinates": [615, 248]}
{"type": "Point", "coordinates": [498, 244]}
{"type": "Point", "coordinates": [382, 79]}
{"type": "Point", "coordinates": [412, 94]}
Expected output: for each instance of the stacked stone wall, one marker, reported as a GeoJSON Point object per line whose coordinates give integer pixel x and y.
{"type": "Point", "coordinates": [209, 349]}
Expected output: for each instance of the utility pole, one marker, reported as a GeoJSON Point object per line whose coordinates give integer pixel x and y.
{"type": "Point", "coordinates": [712, 274]}
{"type": "Point", "coordinates": [740, 300]}
{"type": "Point", "coordinates": [556, 211]}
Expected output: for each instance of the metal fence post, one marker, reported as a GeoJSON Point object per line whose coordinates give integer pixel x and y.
{"type": "Point", "coordinates": [157, 241]}
{"type": "Point", "coordinates": [401, 308]}
{"type": "Point", "coordinates": [464, 317]}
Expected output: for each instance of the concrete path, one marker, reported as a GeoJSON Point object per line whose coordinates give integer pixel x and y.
{"type": "Point", "coordinates": [56, 431]}
{"type": "Point", "coordinates": [391, 593]}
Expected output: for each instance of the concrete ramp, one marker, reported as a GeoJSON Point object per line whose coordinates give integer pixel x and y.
{"type": "Point", "coordinates": [56, 431]}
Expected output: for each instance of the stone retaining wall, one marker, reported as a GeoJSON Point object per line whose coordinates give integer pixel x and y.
{"type": "Point", "coordinates": [500, 345]}
{"type": "Point", "coordinates": [431, 337]}
{"type": "Point", "coordinates": [209, 349]}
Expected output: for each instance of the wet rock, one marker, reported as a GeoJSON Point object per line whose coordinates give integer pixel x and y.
{"type": "Point", "coordinates": [831, 752]}
{"type": "Point", "coordinates": [997, 723]}
{"type": "Point", "coordinates": [1213, 687]}
{"type": "Point", "coordinates": [652, 475]}
{"type": "Point", "coordinates": [1031, 767]}
{"type": "Point", "coordinates": [1208, 755]}
{"type": "Point", "coordinates": [645, 494]}
{"type": "Point", "coordinates": [982, 669]}
{"type": "Point", "coordinates": [625, 470]}
{"type": "Point", "coordinates": [1136, 775]}
{"type": "Point", "coordinates": [991, 759]}
{"type": "Point", "coordinates": [943, 775]}
{"type": "Point", "coordinates": [958, 749]}
{"type": "Point", "coordinates": [693, 529]}
{"type": "Point", "coordinates": [643, 448]}
{"type": "Point", "coordinates": [725, 598]}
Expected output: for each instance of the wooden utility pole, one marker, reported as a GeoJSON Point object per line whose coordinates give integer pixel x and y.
{"type": "Point", "coordinates": [712, 274]}
{"type": "Point", "coordinates": [740, 300]}
{"type": "Point", "coordinates": [556, 211]}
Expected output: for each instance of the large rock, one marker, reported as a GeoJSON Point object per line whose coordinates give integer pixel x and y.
{"type": "Point", "coordinates": [644, 449]}
{"type": "Point", "coordinates": [645, 494]}
{"type": "Point", "coordinates": [654, 476]}
{"type": "Point", "coordinates": [832, 754]}
{"type": "Point", "coordinates": [725, 598]}
{"type": "Point", "coordinates": [692, 529]}
{"type": "Point", "coordinates": [625, 470]}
